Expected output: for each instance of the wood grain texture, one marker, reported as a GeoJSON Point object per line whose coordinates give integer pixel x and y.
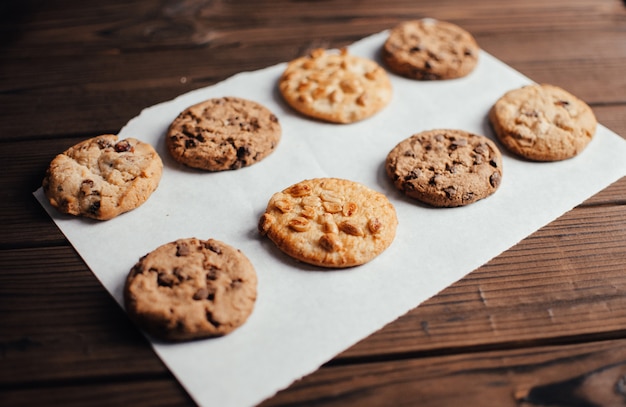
{"type": "Point", "coordinates": [115, 59]}
{"type": "Point", "coordinates": [542, 324]}
{"type": "Point", "coordinates": [57, 314]}
{"type": "Point", "coordinates": [588, 374]}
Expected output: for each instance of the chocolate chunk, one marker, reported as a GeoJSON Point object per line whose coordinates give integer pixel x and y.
{"type": "Point", "coordinates": [495, 179]}
{"type": "Point", "coordinates": [450, 191]}
{"type": "Point", "coordinates": [243, 152]}
{"type": "Point", "coordinates": [212, 273]}
{"type": "Point", "coordinates": [166, 280]}
{"type": "Point", "coordinates": [94, 208]}
{"type": "Point", "coordinates": [201, 294]}
{"type": "Point", "coordinates": [123, 146]}
{"type": "Point", "coordinates": [214, 248]}
{"type": "Point", "coordinates": [212, 320]}
{"type": "Point", "coordinates": [182, 249]}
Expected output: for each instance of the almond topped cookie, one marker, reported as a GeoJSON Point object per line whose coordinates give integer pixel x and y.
{"type": "Point", "coordinates": [103, 177]}
{"type": "Point", "coordinates": [429, 49]}
{"type": "Point", "coordinates": [543, 122]}
{"type": "Point", "coordinates": [330, 222]}
{"type": "Point", "coordinates": [335, 86]}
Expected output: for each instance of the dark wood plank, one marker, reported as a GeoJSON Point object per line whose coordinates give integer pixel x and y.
{"type": "Point", "coordinates": [142, 53]}
{"type": "Point", "coordinates": [159, 390]}
{"type": "Point", "coordinates": [55, 313]}
{"type": "Point", "coordinates": [587, 374]}
{"type": "Point", "coordinates": [23, 165]}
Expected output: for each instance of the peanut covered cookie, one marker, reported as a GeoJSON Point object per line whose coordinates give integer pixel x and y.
{"type": "Point", "coordinates": [335, 87]}
{"type": "Point", "coordinates": [190, 289]}
{"type": "Point", "coordinates": [102, 177]}
{"type": "Point", "coordinates": [543, 122]}
{"type": "Point", "coordinates": [445, 168]}
{"type": "Point", "coordinates": [429, 49]}
{"type": "Point", "coordinates": [224, 133]}
{"type": "Point", "coordinates": [330, 222]}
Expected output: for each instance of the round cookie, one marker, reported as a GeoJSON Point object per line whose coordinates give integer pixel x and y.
{"type": "Point", "coordinates": [102, 177]}
{"type": "Point", "coordinates": [191, 289]}
{"type": "Point", "coordinates": [445, 168]}
{"type": "Point", "coordinates": [335, 87]}
{"type": "Point", "coordinates": [543, 122]}
{"type": "Point", "coordinates": [429, 49]}
{"type": "Point", "coordinates": [330, 222]}
{"type": "Point", "coordinates": [224, 133]}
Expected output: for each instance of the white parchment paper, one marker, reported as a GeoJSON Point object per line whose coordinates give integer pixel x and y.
{"type": "Point", "coordinates": [304, 316]}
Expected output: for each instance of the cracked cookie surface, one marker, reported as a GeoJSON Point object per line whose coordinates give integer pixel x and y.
{"type": "Point", "coordinates": [430, 49]}
{"type": "Point", "coordinates": [330, 222]}
{"type": "Point", "coordinates": [224, 133]}
{"type": "Point", "coordinates": [445, 167]}
{"type": "Point", "coordinates": [191, 289]}
{"type": "Point", "coordinates": [102, 177]}
{"type": "Point", "coordinates": [543, 122]}
{"type": "Point", "coordinates": [335, 87]}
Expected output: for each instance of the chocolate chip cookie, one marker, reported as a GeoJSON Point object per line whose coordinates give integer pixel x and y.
{"type": "Point", "coordinates": [190, 289]}
{"type": "Point", "coordinates": [335, 86]}
{"type": "Point", "coordinates": [445, 168]}
{"type": "Point", "coordinates": [330, 222]}
{"type": "Point", "coordinates": [224, 133]}
{"type": "Point", "coordinates": [543, 122]}
{"type": "Point", "coordinates": [102, 177]}
{"type": "Point", "coordinates": [429, 49]}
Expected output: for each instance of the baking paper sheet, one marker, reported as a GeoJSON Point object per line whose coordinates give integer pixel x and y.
{"type": "Point", "coordinates": [304, 316]}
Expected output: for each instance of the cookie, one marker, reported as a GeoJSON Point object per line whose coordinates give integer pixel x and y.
{"type": "Point", "coordinates": [102, 177]}
{"type": "Point", "coordinates": [191, 289]}
{"type": "Point", "coordinates": [429, 49]}
{"type": "Point", "coordinates": [445, 168]}
{"type": "Point", "coordinates": [224, 133]}
{"type": "Point", "coordinates": [335, 86]}
{"type": "Point", "coordinates": [543, 122]}
{"type": "Point", "coordinates": [330, 222]}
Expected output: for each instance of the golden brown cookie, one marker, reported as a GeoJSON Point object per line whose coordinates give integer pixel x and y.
{"type": "Point", "coordinates": [102, 177]}
{"type": "Point", "coordinates": [224, 133]}
{"type": "Point", "coordinates": [543, 122]}
{"type": "Point", "coordinates": [429, 49]}
{"type": "Point", "coordinates": [445, 168]}
{"type": "Point", "coordinates": [335, 87]}
{"type": "Point", "coordinates": [330, 222]}
{"type": "Point", "coordinates": [190, 289]}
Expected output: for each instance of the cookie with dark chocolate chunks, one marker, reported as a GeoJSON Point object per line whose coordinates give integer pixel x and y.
{"type": "Point", "coordinates": [429, 49]}
{"type": "Point", "coordinates": [191, 289]}
{"type": "Point", "coordinates": [445, 167]}
{"type": "Point", "coordinates": [224, 133]}
{"type": "Point", "coordinates": [102, 177]}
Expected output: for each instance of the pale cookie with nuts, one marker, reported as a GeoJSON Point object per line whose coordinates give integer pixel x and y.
{"type": "Point", "coordinates": [330, 222]}
{"type": "Point", "coordinates": [445, 168]}
{"type": "Point", "coordinates": [225, 133]}
{"type": "Point", "coordinates": [430, 49]}
{"type": "Point", "coordinates": [335, 86]}
{"type": "Point", "coordinates": [102, 177]}
{"type": "Point", "coordinates": [543, 122]}
{"type": "Point", "coordinates": [191, 289]}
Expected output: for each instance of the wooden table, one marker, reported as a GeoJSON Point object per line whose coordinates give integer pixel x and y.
{"type": "Point", "coordinates": [542, 324]}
